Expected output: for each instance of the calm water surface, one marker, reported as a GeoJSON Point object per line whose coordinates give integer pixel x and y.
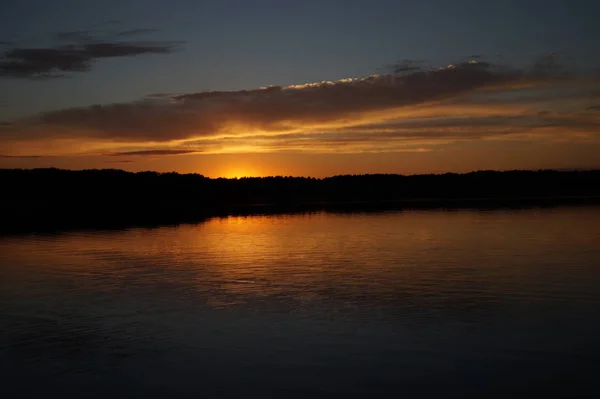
{"type": "Point", "coordinates": [418, 304]}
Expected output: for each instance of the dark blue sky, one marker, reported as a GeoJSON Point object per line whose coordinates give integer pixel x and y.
{"type": "Point", "coordinates": [245, 44]}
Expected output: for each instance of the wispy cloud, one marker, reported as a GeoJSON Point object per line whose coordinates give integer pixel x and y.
{"type": "Point", "coordinates": [276, 109]}
{"type": "Point", "coordinates": [76, 52]}
{"type": "Point", "coordinates": [121, 161]}
{"type": "Point", "coordinates": [159, 95]}
{"type": "Point", "coordinates": [21, 156]}
{"type": "Point", "coordinates": [407, 66]}
{"type": "Point", "coordinates": [151, 152]}
{"type": "Point", "coordinates": [410, 109]}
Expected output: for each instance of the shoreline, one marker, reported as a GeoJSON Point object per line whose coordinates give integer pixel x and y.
{"type": "Point", "coordinates": [43, 216]}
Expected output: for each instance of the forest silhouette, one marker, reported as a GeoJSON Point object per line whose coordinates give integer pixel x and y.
{"type": "Point", "coordinates": [53, 199]}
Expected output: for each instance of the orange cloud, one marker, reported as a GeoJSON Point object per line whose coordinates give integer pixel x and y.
{"type": "Point", "coordinates": [418, 110]}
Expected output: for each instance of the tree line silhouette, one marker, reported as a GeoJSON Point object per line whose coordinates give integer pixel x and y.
{"type": "Point", "coordinates": [48, 197]}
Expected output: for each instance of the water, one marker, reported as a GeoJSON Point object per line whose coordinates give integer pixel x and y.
{"type": "Point", "coordinates": [420, 304]}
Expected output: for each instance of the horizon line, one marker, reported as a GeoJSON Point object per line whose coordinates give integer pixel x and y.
{"type": "Point", "coordinates": [582, 169]}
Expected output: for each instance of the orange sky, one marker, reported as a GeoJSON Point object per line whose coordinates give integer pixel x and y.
{"type": "Point", "coordinates": [458, 118]}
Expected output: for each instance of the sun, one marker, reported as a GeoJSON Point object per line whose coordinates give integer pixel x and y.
{"type": "Point", "coordinates": [239, 172]}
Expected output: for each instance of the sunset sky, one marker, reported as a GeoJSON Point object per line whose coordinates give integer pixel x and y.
{"type": "Point", "coordinates": [308, 88]}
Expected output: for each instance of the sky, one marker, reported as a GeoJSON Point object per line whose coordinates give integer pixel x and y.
{"type": "Point", "coordinates": [305, 88]}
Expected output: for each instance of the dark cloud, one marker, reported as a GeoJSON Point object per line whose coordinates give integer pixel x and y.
{"type": "Point", "coordinates": [160, 95]}
{"type": "Point", "coordinates": [580, 120]}
{"type": "Point", "coordinates": [594, 107]}
{"type": "Point", "coordinates": [151, 152]}
{"type": "Point", "coordinates": [271, 109]}
{"type": "Point", "coordinates": [21, 156]}
{"type": "Point", "coordinates": [427, 128]}
{"type": "Point", "coordinates": [333, 139]}
{"type": "Point", "coordinates": [82, 49]}
{"type": "Point", "coordinates": [95, 34]}
{"type": "Point", "coordinates": [6, 125]}
{"type": "Point", "coordinates": [411, 126]}
{"type": "Point", "coordinates": [407, 66]}
{"type": "Point", "coordinates": [443, 105]}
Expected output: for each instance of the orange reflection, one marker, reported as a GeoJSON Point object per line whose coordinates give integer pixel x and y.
{"type": "Point", "coordinates": [307, 257]}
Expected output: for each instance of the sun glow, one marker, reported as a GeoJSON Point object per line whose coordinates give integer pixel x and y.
{"type": "Point", "coordinates": [237, 172]}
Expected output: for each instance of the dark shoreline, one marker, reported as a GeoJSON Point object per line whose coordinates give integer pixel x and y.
{"type": "Point", "coordinates": [55, 199]}
{"type": "Point", "coordinates": [47, 217]}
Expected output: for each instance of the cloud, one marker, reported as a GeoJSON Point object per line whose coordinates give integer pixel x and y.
{"type": "Point", "coordinates": [407, 66]}
{"type": "Point", "coordinates": [415, 110]}
{"type": "Point", "coordinates": [77, 53]}
{"type": "Point", "coordinates": [121, 161]}
{"type": "Point", "coordinates": [159, 95]}
{"type": "Point", "coordinates": [411, 135]}
{"type": "Point", "coordinates": [21, 156]}
{"type": "Point", "coordinates": [275, 109]}
{"type": "Point", "coordinates": [152, 152]}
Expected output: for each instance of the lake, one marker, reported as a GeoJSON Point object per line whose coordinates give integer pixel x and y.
{"type": "Point", "coordinates": [462, 303]}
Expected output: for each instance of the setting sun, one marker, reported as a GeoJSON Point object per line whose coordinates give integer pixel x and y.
{"type": "Point", "coordinates": [239, 172]}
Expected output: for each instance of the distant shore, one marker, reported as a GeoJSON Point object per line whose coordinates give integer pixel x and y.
{"type": "Point", "coordinates": [42, 216]}
{"type": "Point", "coordinates": [55, 200]}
